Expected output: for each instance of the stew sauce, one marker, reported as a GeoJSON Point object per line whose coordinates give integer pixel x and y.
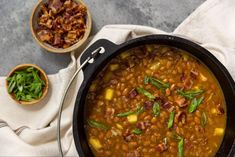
{"type": "Point", "coordinates": [155, 100]}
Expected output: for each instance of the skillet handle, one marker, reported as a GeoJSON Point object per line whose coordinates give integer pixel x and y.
{"type": "Point", "coordinates": [104, 44]}
{"type": "Point", "coordinates": [88, 57]}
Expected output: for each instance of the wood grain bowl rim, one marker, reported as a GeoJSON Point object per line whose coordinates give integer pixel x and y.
{"type": "Point", "coordinates": [52, 49]}
{"type": "Point", "coordinates": [43, 76]}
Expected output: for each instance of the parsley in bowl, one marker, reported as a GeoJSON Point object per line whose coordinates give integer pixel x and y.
{"type": "Point", "coordinates": [27, 84]}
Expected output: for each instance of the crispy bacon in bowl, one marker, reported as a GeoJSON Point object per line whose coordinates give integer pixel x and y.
{"type": "Point", "coordinates": [60, 25]}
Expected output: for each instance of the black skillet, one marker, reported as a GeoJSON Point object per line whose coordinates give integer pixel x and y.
{"type": "Point", "coordinates": [111, 50]}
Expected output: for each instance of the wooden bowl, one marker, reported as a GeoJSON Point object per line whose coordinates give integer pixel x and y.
{"type": "Point", "coordinates": [42, 75]}
{"type": "Point", "coordinates": [48, 47]}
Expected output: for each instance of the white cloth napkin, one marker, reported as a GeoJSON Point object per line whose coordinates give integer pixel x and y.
{"type": "Point", "coordinates": [30, 130]}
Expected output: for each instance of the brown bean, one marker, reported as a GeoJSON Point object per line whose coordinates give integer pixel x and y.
{"type": "Point", "coordinates": [125, 91]}
{"type": "Point", "coordinates": [132, 145]}
{"type": "Point", "coordinates": [124, 147]}
{"type": "Point", "coordinates": [146, 143]}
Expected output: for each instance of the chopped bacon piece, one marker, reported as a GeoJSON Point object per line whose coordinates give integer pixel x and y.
{"type": "Point", "coordinates": [220, 109]}
{"type": "Point", "coordinates": [181, 117]}
{"type": "Point", "coordinates": [167, 105]}
{"type": "Point", "coordinates": [148, 105]}
{"type": "Point", "coordinates": [143, 125]}
{"type": "Point", "coordinates": [45, 35]}
{"type": "Point", "coordinates": [133, 93]}
{"type": "Point", "coordinates": [65, 20]}
{"type": "Point", "coordinates": [193, 74]}
{"type": "Point", "coordinates": [180, 101]}
{"type": "Point", "coordinates": [55, 5]}
{"type": "Point", "coordinates": [161, 147]}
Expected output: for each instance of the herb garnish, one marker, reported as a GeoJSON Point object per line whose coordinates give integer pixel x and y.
{"type": "Point", "coordinates": [156, 109]}
{"type": "Point", "coordinates": [138, 110]}
{"type": "Point", "coordinates": [136, 131]}
{"type": "Point", "coordinates": [157, 83]}
{"type": "Point", "coordinates": [191, 93]}
{"type": "Point", "coordinates": [145, 92]}
{"type": "Point", "coordinates": [204, 119]}
{"type": "Point", "coordinates": [96, 124]}
{"type": "Point", "coordinates": [26, 84]}
{"type": "Point", "coordinates": [171, 119]}
{"type": "Point", "coordinates": [194, 104]}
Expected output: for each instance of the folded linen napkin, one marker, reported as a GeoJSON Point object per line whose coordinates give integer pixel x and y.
{"type": "Point", "coordinates": [31, 130]}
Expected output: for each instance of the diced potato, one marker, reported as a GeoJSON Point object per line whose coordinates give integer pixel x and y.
{"type": "Point", "coordinates": [218, 131]}
{"type": "Point", "coordinates": [202, 77]}
{"type": "Point", "coordinates": [213, 111]}
{"type": "Point", "coordinates": [132, 118]}
{"type": "Point", "coordinates": [124, 55]}
{"type": "Point", "coordinates": [114, 67]}
{"type": "Point", "coordinates": [107, 76]}
{"type": "Point", "coordinates": [149, 48]}
{"type": "Point", "coordinates": [109, 93]}
{"type": "Point", "coordinates": [155, 66]}
{"type": "Point", "coordinates": [185, 57]}
{"type": "Point", "coordinates": [93, 86]}
{"type": "Point", "coordinates": [95, 143]}
{"type": "Point", "coordinates": [119, 126]}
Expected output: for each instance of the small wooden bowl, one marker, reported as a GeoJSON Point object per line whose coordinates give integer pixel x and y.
{"type": "Point", "coordinates": [42, 75]}
{"type": "Point", "coordinates": [48, 47]}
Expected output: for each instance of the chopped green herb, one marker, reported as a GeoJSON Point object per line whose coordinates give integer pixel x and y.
{"type": "Point", "coordinates": [191, 93]}
{"type": "Point", "coordinates": [194, 104]}
{"type": "Point", "coordinates": [171, 119]}
{"type": "Point", "coordinates": [145, 92]}
{"type": "Point", "coordinates": [204, 119]}
{"type": "Point", "coordinates": [156, 109]}
{"type": "Point", "coordinates": [146, 80]}
{"type": "Point", "coordinates": [181, 148]}
{"type": "Point", "coordinates": [139, 110]}
{"type": "Point", "coordinates": [125, 114]}
{"type": "Point", "coordinates": [176, 136]}
{"type": "Point", "coordinates": [137, 131]}
{"type": "Point", "coordinates": [155, 82]}
{"type": "Point", "coordinates": [98, 125]}
{"type": "Point", "coordinates": [26, 84]}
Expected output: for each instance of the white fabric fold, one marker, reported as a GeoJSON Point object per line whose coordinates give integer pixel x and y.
{"type": "Point", "coordinates": [30, 130]}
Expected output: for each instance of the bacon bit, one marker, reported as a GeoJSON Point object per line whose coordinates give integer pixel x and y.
{"type": "Point", "coordinates": [133, 93]}
{"type": "Point", "coordinates": [161, 147]}
{"type": "Point", "coordinates": [193, 74]}
{"type": "Point", "coordinates": [57, 39]}
{"type": "Point", "coordinates": [181, 117]}
{"type": "Point", "coordinates": [65, 20]}
{"type": "Point", "coordinates": [148, 105]}
{"type": "Point", "coordinates": [181, 101]}
{"type": "Point", "coordinates": [128, 136]}
{"type": "Point", "coordinates": [188, 144]}
{"type": "Point", "coordinates": [168, 106]}
{"type": "Point", "coordinates": [55, 5]}
{"type": "Point", "coordinates": [160, 100]}
{"type": "Point", "coordinates": [182, 77]}
{"type": "Point", "coordinates": [220, 109]}
{"type": "Point", "coordinates": [143, 125]}
{"type": "Point", "coordinates": [45, 35]}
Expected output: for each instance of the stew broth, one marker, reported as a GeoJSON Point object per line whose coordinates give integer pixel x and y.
{"type": "Point", "coordinates": [155, 100]}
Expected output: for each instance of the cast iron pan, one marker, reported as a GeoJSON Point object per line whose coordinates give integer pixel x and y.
{"type": "Point", "coordinates": [111, 50]}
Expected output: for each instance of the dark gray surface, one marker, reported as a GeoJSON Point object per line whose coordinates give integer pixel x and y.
{"type": "Point", "coordinates": [17, 45]}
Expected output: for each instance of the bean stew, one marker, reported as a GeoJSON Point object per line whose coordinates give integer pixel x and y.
{"type": "Point", "coordinates": [155, 100]}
